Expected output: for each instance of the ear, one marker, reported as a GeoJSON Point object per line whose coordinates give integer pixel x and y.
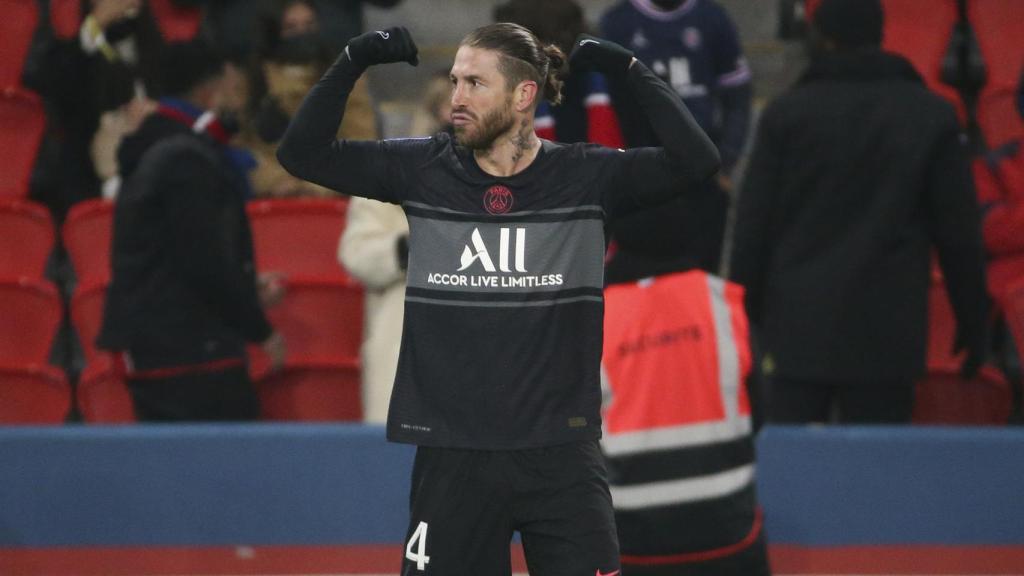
{"type": "Point", "coordinates": [525, 95]}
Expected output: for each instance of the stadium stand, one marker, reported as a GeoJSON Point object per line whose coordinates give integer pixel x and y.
{"type": "Point", "coordinates": [31, 310]}
{"type": "Point", "coordinates": [22, 121]}
{"type": "Point", "coordinates": [33, 394]}
{"type": "Point", "coordinates": [1000, 26]}
{"type": "Point", "coordinates": [27, 240]}
{"type": "Point", "coordinates": [87, 233]}
{"type": "Point", "coordinates": [312, 391]}
{"type": "Point", "coordinates": [920, 31]}
{"type": "Point", "coordinates": [177, 23]}
{"type": "Point", "coordinates": [322, 323]}
{"type": "Point", "coordinates": [941, 322]}
{"type": "Point", "coordinates": [16, 28]}
{"type": "Point", "coordinates": [86, 318]}
{"type": "Point", "coordinates": [943, 396]}
{"type": "Point", "coordinates": [65, 17]}
{"type": "Point", "coordinates": [298, 236]}
{"type": "Point", "coordinates": [102, 396]}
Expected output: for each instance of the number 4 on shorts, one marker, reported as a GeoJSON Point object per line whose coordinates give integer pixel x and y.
{"type": "Point", "coordinates": [419, 540]}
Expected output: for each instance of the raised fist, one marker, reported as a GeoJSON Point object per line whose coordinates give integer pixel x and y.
{"type": "Point", "coordinates": [592, 53]}
{"type": "Point", "coordinates": [383, 47]}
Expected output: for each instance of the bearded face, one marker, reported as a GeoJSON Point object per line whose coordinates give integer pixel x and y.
{"type": "Point", "coordinates": [479, 133]}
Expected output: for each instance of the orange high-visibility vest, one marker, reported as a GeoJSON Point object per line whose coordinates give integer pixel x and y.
{"type": "Point", "coordinates": [676, 359]}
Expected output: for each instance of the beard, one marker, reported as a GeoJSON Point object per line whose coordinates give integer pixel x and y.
{"type": "Point", "coordinates": [491, 126]}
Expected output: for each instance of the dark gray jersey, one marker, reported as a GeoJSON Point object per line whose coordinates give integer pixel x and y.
{"type": "Point", "coordinates": [501, 344]}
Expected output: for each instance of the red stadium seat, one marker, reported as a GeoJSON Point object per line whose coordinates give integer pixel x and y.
{"type": "Point", "coordinates": [298, 236]}
{"type": "Point", "coordinates": [65, 18]}
{"type": "Point", "coordinates": [321, 320]}
{"type": "Point", "coordinates": [103, 396]}
{"type": "Point", "coordinates": [22, 121]}
{"type": "Point", "coordinates": [998, 117]}
{"type": "Point", "coordinates": [31, 311]}
{"type": "Point", "coordinates": [944, 397]}
{"type": "Point", "coordinates": [16, 28]}
{"type": "Point", "coordinates": [33, 394]}
{"type": "Point", "coordinates": [87, 317]}
{"type": "Point", "coordinates": [27, 238]}
{"type": "Point", "coordinates": [177, 24]}
{"type": "Point", "coordinates": [1000, 27]}
{"type": "Point", "coordinates": [920, 32]}
{"type": "Point", "coordinates": [87, 236]}
{"type": "Point", "coordinates": [941, 323]}
{"type": "Point", "coordinates": [312, 392]}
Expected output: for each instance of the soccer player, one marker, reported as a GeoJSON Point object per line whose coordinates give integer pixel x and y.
{"type": "Point", "coordinates": [498, 379]}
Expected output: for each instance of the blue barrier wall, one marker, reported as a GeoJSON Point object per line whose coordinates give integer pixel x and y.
{"type": "Point", "coordinates": [341, 484]}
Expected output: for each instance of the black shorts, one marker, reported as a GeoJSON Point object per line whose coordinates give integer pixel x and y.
{"type": "Point", "coordinates": [466, 504]}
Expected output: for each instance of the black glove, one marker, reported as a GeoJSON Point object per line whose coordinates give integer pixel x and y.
{"type": "Point", "coordinates": [591, 53]}
{"type": "Point", "coordinates": [383, 47]}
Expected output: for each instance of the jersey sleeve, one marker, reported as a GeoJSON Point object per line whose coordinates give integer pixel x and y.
{"type": "Point", "coordinates": [375, 169]}
{"type": "Point", "coordinates": [643, 177]}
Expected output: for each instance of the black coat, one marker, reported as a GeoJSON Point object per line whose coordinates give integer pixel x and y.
{"type": "Point", "coordinates": [184, 288]}
{"type": "Point", "coordinates": [856, 174]}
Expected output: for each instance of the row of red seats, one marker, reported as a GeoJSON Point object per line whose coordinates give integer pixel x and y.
{"type": "Point", "coordinates": [921, 30]}
{"type": "Point", "coordinates": [321, 317]}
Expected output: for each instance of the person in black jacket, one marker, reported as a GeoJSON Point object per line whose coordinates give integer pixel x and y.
{"type": "Point", "coordinates": [184, 299]}
{"type": "Point", "coordinates": [856, 174]}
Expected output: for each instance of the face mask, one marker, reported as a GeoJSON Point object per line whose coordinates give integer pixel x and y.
{"type": "Point", "coordinates": [271, 120]}
{"type": "Point", "coordinates": [229, 121]}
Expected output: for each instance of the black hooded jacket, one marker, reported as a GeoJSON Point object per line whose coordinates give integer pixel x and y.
{"type": "Point", "coordinates": [183, 289]}
{"type": "Point", "coordinates": [857, 173]}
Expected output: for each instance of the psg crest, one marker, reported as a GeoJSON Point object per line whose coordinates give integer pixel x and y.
{"type": "Point", "coordinates": [498, 199]}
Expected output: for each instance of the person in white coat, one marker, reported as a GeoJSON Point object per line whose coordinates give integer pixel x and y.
{"type": "Point", "coordinates": [374, 250]}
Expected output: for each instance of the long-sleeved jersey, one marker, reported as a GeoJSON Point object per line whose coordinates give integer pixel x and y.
{"type": "Point", "coordinates": [501, 342]}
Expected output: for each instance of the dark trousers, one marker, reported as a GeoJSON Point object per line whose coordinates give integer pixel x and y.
{"type": "Point", "coordinates": [222, 395]}
{"type": "Point", "coordinates": [794, 401]}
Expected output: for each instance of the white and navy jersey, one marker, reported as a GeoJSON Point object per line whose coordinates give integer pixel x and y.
{"type": "Point", "coordinates": [694, 48]}
{"type": "Point", "coordinates": [501, 342]}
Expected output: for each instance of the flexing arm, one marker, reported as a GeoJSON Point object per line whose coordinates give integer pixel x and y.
{"type": "Point", "coordinates": [309, 149]}
{"type": "Point", "coordinates": [687, 154]}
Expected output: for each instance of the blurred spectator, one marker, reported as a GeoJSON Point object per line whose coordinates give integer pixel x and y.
{"type": "Point", "coordinates": [375, 249]}
{"type": "Point", "coordinates": [435, 111]}
{"type": "Point", "coordinates": [856, 173]}
{"type": "Point", "coordinates": [184, 299]}
{"type": "Point", "coordinates": [234, 23]}
{"type": "Point", "coordinates": [585, 113]}
{"type": "Point", "coordinates": [111, 63]}
{"type": "Point", "coordinates": [694, 47]}
{"type": "Point", "coordinates": [1000, 179]}
{"type": "Point", "coordinates": [291, 58]}
{"type": "Point", "coordinates": [678, 409]}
